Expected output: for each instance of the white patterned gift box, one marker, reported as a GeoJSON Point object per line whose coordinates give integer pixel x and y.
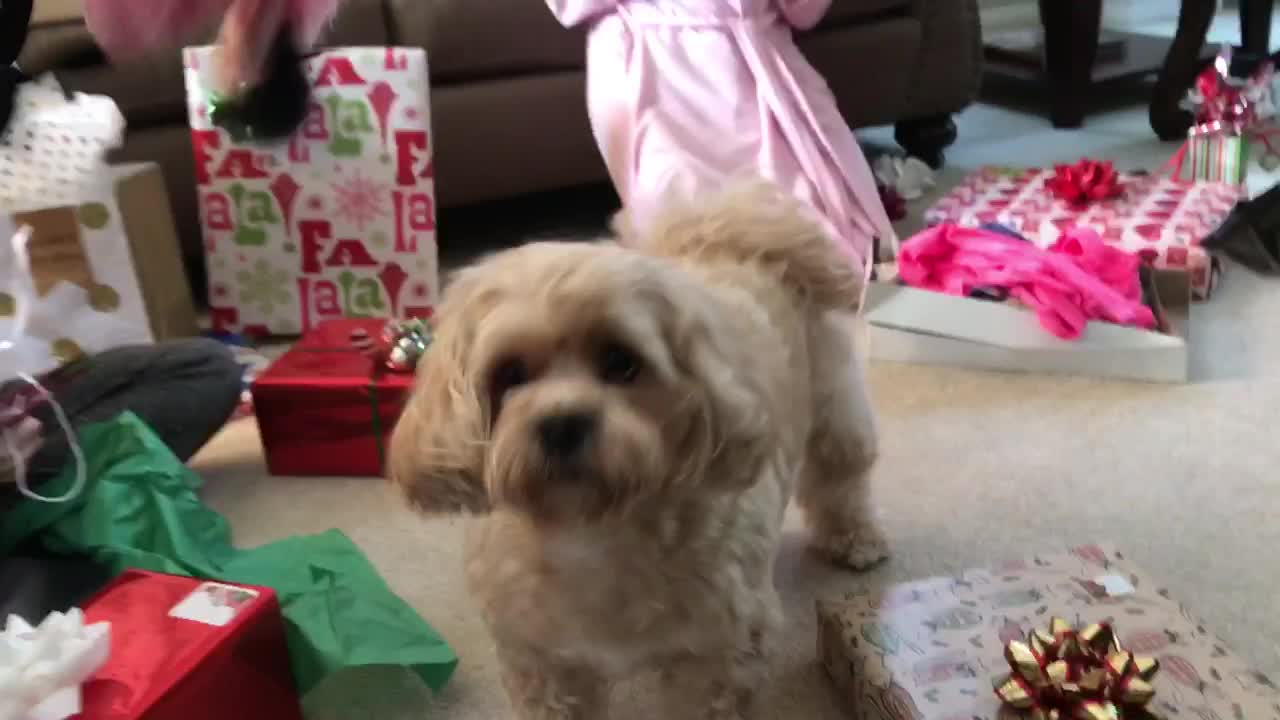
{"type": "Point", "coordinates": [340, 219]}
{"type": "Point", "coordinates": [74, 286]}
{"type": "Point", "coordinates": [1156, 217]}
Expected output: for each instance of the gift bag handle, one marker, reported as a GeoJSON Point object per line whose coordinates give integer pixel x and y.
{"type": "Point", "coordinates": [25, 295]}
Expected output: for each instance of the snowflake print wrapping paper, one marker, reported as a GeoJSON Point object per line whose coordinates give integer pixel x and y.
{"type": "Point", "coordinates": [1157, 218]}
{"type": "Point", "coordinates": [337, 221]}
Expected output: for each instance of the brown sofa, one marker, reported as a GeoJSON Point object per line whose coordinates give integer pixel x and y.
{"type": "Point", "coordinates": [507, 88]}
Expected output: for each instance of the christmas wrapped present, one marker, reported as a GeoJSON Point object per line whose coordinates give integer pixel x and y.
{"type": "Point", "coordinates": [328, 405]}
{"type": "Point", "coordinates": [1158, 218]}
{"type": "Point", "coordinates": [100, 265]}
{"type": "Point", "coordinates": [1217, 157]}
{"type": "Point", "coordinates": [140, 509]}
{"type": "Point", "coordinates": [1232, 105]}
{"type": "Point", "coordinates": [187, 649]}
{"type": "Point", "coordinates": [1080, 635]}
{"type": "Point", "coordinates": [339, 220]}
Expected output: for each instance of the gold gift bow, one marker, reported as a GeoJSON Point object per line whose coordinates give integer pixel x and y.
{"type": "Point", "coordinates": [1067, 674]}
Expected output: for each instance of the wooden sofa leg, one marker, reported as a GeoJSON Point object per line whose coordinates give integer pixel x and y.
{"type": "Point", "coordinates": [926, 137]}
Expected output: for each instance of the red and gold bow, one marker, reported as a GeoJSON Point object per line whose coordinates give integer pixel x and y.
{"type": "Point", "coordinates": [1067, 674]}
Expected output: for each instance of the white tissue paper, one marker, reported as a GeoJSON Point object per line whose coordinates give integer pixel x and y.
{"type": "Point", "coordinates": [42, 668]}
{"type": "Point", "coordinates": [910, 176]}
{"type": "Point", "coordinates": [55, 148]}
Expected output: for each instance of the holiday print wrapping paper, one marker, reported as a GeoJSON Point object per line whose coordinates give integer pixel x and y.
{"type": "Point", "coordinates": [930, 650]}
{"type": "Point", "coordinates": [1156, 217]}
{"type": "Point", "coordinates": [339, 220]}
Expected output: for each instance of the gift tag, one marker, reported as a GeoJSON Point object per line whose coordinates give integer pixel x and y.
{"type": "Point", "coordinates": [1115, 585]}
{"type": "Point", "coordinates": [213, 604]}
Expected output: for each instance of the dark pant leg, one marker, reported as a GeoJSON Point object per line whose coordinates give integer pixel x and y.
{"type": "Point", "coordinates": [185, 390]}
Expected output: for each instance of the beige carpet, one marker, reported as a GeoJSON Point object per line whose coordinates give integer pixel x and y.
{"type": "Point", "coordinates": [975, 467]}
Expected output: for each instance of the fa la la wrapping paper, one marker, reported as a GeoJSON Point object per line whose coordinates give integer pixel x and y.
{"type": "Point", "coordinates": [340, 219]}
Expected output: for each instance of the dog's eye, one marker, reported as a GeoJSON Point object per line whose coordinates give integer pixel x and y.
{"type": "Point", "coordinates": [618, 364]}
{"type": "Point", "coordinates": [508, 374]}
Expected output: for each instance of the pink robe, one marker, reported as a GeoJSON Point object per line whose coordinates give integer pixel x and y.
{"type": "Point", "coordinates": [689, 94]}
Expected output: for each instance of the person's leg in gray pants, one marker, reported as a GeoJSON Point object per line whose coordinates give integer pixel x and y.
{"type": "Point", "coordinates": [185, 390]}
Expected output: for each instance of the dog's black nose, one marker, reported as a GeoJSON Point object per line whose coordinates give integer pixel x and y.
{"type": "Point", "coordinates": [565, 434]}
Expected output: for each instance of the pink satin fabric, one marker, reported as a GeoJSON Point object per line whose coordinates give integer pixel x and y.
{"type": "Point", "coordinates": [1078, 279]}
{"type": "Point", "coordinates": [687, 95]}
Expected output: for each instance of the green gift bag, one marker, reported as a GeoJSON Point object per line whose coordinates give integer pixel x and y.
{"type": "Point", "coordinates": [140, 509]}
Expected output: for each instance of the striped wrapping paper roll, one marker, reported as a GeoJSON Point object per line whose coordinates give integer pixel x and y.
{"type": "Point", "coordinates": [1218, 157]}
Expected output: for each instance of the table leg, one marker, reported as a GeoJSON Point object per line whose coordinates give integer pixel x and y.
{"type": "Point", "coordinates": [1181, 66]}
{"type": "Point", "coordinates": [1071, 29]}
{"type": "Point", "coordinates": [1255, 25]}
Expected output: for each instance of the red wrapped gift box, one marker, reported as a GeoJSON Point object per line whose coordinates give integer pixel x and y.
{"type": "Point", "coordinates": [325, 408]}
{"type": "Point", "coordinates": [186, 649]}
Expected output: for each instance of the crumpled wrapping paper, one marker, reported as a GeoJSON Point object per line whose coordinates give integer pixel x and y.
{"type": "Point", "coordinates": [140, 510]}
{"type": "Point", "coordinates": [58, 146]}
{"type": "Point", "coordinates": [55, 160]}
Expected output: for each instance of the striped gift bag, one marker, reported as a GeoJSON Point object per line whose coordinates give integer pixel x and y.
{"type": "Point", "coordinates": [1217, 157]}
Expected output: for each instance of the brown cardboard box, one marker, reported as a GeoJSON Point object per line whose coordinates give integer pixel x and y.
{"type": "Point", "coordinates": [156, 251]}
{"type": "Point", "coordinates": [930, 650]}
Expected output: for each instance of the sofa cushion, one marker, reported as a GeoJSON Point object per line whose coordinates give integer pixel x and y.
{"type": "Point", "coordinates": [150, 91]}
{"type": "Point", "coordinates": [472, 39]}
{"type": "Point", "coordinates": [58, 45]}
{"type": "Point", "coordinates": [845, 12]}
{"type": "Point", "coordinates": [477, 39]}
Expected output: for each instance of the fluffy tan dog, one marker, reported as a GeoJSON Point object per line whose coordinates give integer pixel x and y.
{"type": "Point", "coordinates": [631, 425]}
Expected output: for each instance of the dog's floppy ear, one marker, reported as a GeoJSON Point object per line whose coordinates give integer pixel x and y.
{"type": "Point", "coordinates": [732, 440]}
{"type": "Point", "coordinates": [437, 451]}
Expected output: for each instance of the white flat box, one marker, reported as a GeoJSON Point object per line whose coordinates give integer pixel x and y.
{"type": "Point", "coordinates": [923, 327]}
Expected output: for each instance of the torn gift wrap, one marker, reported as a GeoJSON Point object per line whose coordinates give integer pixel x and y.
{"type": "Point", "coordinates": [1157, 218]}
{"type": "Point", "coordinates": [140, 511]}
{"type": "Point", "coordinates": [938, 649]}
{"type": "Point", "coordinates": [71, 289]}
{"type": "Point", "coordinates": [42, 668]}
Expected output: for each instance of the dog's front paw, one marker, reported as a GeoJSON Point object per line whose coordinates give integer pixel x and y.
{"type": "Point", "coordinates": [857, 549]}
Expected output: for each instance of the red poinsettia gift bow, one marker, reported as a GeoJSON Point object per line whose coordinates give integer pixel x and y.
{"type": "Point", "coordinates": [1084, 182]}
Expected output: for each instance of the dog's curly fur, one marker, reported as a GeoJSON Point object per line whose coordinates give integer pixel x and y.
{"type": "Point", "coordinates": [705, 375]}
